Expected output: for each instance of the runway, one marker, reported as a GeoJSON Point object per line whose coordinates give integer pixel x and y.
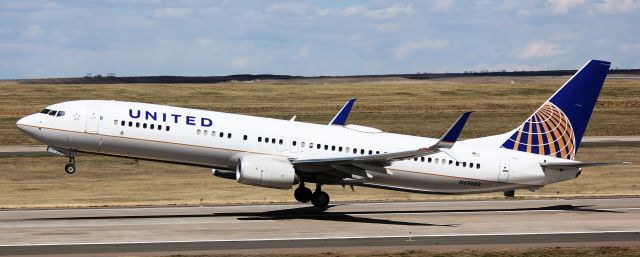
{"type": "Point", "coordinates": [254, 227]}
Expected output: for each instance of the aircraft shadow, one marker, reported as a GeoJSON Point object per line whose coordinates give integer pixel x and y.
{"type": "Point", "coordinates": [314, 213]}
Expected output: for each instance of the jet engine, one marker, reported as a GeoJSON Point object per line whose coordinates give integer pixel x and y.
{"type": "Point", "coordinates": [266, 172]}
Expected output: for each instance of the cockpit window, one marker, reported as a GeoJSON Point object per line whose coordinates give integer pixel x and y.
{"type": "Point", "coordinates": [53, 113]}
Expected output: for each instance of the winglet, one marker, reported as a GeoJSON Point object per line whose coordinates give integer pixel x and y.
{"type": "Point", "coordinates": [343, 114]}
{"type": "Point", "coordinates": [449, 138]}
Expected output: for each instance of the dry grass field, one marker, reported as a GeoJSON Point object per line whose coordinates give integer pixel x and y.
{"type": "Point", "coordinates": [418, 107]}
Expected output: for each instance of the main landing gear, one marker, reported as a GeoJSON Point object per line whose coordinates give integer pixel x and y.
{"type": "Point", "coordinates": [70, 168]}
{"type": "Point", "coordinates": [318, 198]}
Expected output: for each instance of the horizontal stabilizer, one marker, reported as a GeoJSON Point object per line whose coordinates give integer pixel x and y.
{"type": "Point", "coordinates": [577, 164]}
{"type": "Point", "coordinates": [341, 117]}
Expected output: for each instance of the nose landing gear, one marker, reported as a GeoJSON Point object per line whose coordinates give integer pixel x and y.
{"type": "Point", "coordinates": [70, 168]}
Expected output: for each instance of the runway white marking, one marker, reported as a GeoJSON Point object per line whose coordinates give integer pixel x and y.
{"type": "Point", "coordinates": [339, 238]}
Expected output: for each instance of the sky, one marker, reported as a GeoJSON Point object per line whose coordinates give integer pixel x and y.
{"type": "Point", "coordinates": [40, 39]}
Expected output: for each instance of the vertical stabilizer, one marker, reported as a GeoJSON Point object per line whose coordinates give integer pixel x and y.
{"type": "Point", "coordinates": [557, 127]}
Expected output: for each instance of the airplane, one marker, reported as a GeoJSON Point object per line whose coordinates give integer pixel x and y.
{"type": "Point", "coordinates": [280, 154]}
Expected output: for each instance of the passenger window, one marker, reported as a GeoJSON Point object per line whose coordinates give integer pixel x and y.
{"type": "Point", "coordinates": [333, 148]}
{"type": "Point", "coordinates": [273, 140]}
{"type": "Point", "coordinates": [53, 113]}
{"type": "Point", "coordinates": [205, 132]}
{"type": "Point", "coordinates": [229, 135]}
{"type": "Point", "coordinates": [464, 164]}
{"type": "Point", "coordinates": [115, 122]}
{"type": "Point", "coordinates": [159, 127]}
{"type": "Point", "coordinates": [137, 124]}
{"type": "Point", "coordinates": [415, 159]}
{"type": "Point", "coordinates": [318, 146]}
{"type": "Point", "coordinates": [355, 151]}
{"type": "Point", "coordinates": [294, 143]}
{"type": "Point", "coordinates": [422, 159]}
{"type": "Point", "coordinates": [310, 145]}
{"type": "Point", "coordinates": [457, 163]}
{"type": "Point", "coordinates": [213, 133]}
{"type": "Point", "coordinates": [435, 161]}
{"type": "Point", "coordinates": [144, 125]}
{"type": "Point", "coordinates": [346, 150]}
{"type": "Point", "coordinates": [429, 160]}
{"type": "Point", "coordinates": [377, 152]}
{"type": "Point", "coordinates": [326, 147]}
{"type": "Point", "coordinates": [450, 162]}
{"type": "Point", "coordinates": [130, 124]}
{"type": "Point", "coordinates": [122, 123]}
{"type": "Point", "coordinates": [301, 144]}
{"type": "Point", "coordinates": [245, 137]}
{"type": "Point", "coordinates": [477, 165]}
{"type": "Point", "coordinates": [280, 141]}
{"type": "Point", "coordinates": [167, 128]}
{"type": "Point", "coordinates": [198, 132]}
{"type": "Point", "coordinates": [151, 126]}
{"type": "Point", "coordinates": [340, 149]}
{"type": "Point", "coordinates": [259, 139]}
{"type": "Point", "coordinates": [362, 151]}
{"type": "Point", "coordinates": [221, 134]}
{"type": "Point", "coordinates": [61, 113]}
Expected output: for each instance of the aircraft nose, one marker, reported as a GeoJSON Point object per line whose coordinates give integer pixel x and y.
{"type": "Point", "coordinates": [23, 123]}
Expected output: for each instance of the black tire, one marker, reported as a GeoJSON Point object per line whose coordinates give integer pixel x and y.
{"type": "Point", "coordinates": [320, 199]}
{"type": "Point", "coordinates": [303, 194]}
{"type": "Point", "coordinates": [70, 168]}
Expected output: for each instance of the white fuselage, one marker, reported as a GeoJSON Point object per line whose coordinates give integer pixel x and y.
{"type": "Point", "coordinates": [217, 140]}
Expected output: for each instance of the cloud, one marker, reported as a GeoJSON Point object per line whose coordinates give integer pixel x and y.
{"type": "Point", "coordinates": [563, 6]}
{"type": "Point", "coordinates": [33, 32]}
{"type": "Point", "coordinates": [302, 53]}
{"type": "Point", "coordinates": [404, 50]}
{"type": "Point", "coordinates": [391, 11]}
{"type": "Point", "coordinates": [442, 5]}
{"type": "Point", "coordinates": [292, 8]}
{"type": "Point", "coordinates": [617, 6]}
{"type": "Point", "coordinates": [204, 40]}
{"type": "Point", "coordinates": [629, 48]}
{"type": "Point", "coordinates": [172, 12]}
{"type": "Point", "coordinates": [239, 62]}
{"type": "Point", "coordinates": [540, 49]}
{"type": "Point", "coordinates": [380, 13]}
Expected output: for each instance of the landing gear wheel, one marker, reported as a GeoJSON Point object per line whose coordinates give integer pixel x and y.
{"type": "Point", "coordinates": [320, 199]}
{"type": "Point", "coordinates": [303, 194]}
{"type": "Point", "coordinates": [70, 168]}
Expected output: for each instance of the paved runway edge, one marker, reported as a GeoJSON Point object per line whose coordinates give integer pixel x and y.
{"type": "Point", "coordinates": [420, 240]}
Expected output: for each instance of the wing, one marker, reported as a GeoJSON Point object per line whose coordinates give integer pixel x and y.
{"type": "Point", "coordinates": [576, 164]}
{"type": "Point", "coordinates": [366, 164]}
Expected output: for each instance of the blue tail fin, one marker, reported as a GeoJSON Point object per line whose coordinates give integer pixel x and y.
{"type": "Point", "coordinates": [557, 127]}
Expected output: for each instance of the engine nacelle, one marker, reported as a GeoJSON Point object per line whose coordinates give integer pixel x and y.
{"type": "Point", "coordinates": [266, 172]}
